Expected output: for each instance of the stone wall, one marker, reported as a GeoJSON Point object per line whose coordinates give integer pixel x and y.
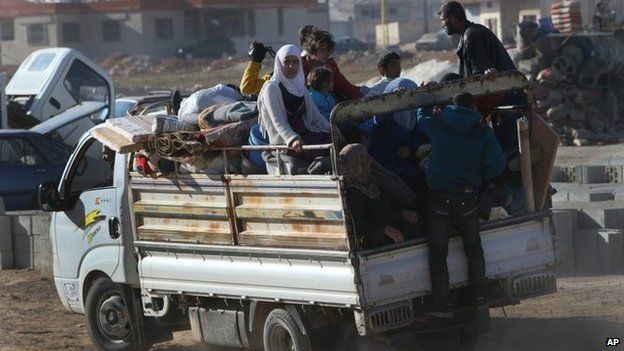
{"type": "Point", "coordinates": [25, 242]}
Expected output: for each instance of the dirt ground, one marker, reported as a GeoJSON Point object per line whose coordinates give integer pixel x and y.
{"type": "Point", "coordinates": [580, 316]}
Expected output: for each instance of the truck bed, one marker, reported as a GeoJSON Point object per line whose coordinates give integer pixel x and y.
{"type": "Point", "coordinates": [288, 242]}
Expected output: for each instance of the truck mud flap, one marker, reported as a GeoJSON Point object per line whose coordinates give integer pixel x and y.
{"type": "Point", "coordinates": [403, 315]}
{"type": "Point", "coordinates": [531, 285]}
{"type": "Point", "coordinates": [384, 318]}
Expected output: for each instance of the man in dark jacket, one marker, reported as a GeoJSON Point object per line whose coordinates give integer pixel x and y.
{"type": "Point", "coordinates": [479, 49]}
{"type": "Point", "coordinates": [464, 154]}
{"type": "Point", "coordinates": [481, 52]}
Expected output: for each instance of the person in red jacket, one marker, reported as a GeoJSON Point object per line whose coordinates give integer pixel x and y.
{"type": "Point", "coordinates": [318, 46]}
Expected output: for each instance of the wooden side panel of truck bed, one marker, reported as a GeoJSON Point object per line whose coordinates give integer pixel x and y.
{"type": "Point", "coordinates": [271, 211]}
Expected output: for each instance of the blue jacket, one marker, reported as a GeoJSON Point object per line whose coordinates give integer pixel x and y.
{"type": "Point", "coordinates": [463, 151]}
{"type": "Point", "coordinates": [324, 102]}
{"type": "Point", "coordinates": [386, 138]}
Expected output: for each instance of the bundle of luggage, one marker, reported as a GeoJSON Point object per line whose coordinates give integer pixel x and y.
{"type": "Point", "coordinates": [208, 121]}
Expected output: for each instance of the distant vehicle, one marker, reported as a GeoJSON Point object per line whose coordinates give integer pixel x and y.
{"type": "Point", "coordinates": [50, 81]}
{"type": "Point", "coordinates": [212, 48]}
{"type": "Point", "coordinates": [28, 158]}
{"type": "Point", "coordinates": [157, 102]}
{"type": "Point", "coordinates": [435, 41]}
{"type": "Point", "coordinates": [347, 44]}
{"type": "Point", "coordinates": [68, 126]}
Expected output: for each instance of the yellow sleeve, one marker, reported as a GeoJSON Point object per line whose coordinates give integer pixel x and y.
{"type": "Point", "coordinates": [251, 83]}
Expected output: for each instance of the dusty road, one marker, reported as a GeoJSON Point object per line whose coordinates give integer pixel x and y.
{"type": "Point", "coordinates": [580, 316]}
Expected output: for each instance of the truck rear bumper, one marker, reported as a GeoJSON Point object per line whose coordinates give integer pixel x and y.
{"type": "Point", "coordinates": [405, 313]}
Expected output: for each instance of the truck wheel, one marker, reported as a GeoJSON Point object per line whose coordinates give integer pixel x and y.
{"type": "Point", "coordinates": [108, 320]}
{"type": "Point", "coordinates": [282, 333]}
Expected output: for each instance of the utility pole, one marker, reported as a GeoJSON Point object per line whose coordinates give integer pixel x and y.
{"type": "Point", "coordinates": [385, 40]}
{"type": "Point", "coordinates": [426, 10]}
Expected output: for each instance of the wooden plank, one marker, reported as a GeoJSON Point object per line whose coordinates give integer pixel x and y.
{"type": "Point", "coordinates": [184, 236]}
{"type": "Point", "coordinates": [173, 210]}
{"type": "Point", "coordinates": [293, 227]}
{"type": "Point", "coordinates": [249, 212]}
{"type": "Point", "coordinates": [188, 224]}
{"type": "Point", "coordinates": [115, 141]}
{"type": "Point", "coordinates": [286, 240]}
{"type": "Point", "coordinates": [179, 198]}
{"type": "Point", "coordinates": [134, 128]}
{"type": "Point", "coordinates": [291, 201]}
{"type": "Point", "coordinates": [544, 138]}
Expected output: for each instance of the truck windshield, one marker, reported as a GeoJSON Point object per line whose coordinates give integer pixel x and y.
{"type": "Point", "coordinates": [84, 84]}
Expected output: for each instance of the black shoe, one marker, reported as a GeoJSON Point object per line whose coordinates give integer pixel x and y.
{"type": "Point", "coordinates": [176, 100]}
{"type": "Point", "coordinates": [482, 303]}
{"type": "Point", "coordinates": [441, 310]}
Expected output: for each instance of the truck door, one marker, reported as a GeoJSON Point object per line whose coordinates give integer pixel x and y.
{"type": "Point", "coordinates": [83, 233]}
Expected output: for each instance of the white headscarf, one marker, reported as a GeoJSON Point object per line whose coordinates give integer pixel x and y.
{"type": "Point", "coordinates": [295, 86]}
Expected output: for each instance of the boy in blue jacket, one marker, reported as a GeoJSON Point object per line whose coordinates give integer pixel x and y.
{"type": "Point", "coordinates": [464, 155]}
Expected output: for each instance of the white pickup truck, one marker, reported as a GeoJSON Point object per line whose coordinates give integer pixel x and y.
{"type": "Point", "coordinates": [261, 260]}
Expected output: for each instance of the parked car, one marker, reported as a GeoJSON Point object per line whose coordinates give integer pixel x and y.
{"type": "Point", "coordinates": [212, 48]}
{"type": "Point", "coordinates": [27, 159]}
{"type": "Point", "coordinates": [435, 41]}
{"type": "Point", "coordinates": [156, 102]}
{"type": "Point", "coordinates": [347, 44]}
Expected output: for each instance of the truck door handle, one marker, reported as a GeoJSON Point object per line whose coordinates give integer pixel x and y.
{"type": "Point", "coordinates": [40, 170]}
{"type": "Point", "coordinates": [113, 228]}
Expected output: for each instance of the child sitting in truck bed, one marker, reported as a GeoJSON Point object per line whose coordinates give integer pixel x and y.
{"type": "Point", "coordinates": [321, 82]}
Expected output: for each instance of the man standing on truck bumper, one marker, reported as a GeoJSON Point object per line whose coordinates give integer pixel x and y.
{"type": "Point", "coordinates": [464, 154]}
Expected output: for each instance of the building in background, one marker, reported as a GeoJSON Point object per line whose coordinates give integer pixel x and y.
{"type": "Point", "coordinates": [152, 27]}
{"type": "Point", "coordinates": [407, 19]}
{"type": "Point", "coordinates": [412, 18]}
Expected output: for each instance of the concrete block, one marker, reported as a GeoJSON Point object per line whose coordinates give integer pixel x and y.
{"type": "Point", "coordinates": [6, 259]}
{"type": "Point", "coordinates": [569, 174]}
{"type": "Point", "coordinates": [592, 218]}
{"type": "Point", "coordinates": [592, 174]}
{"type": "Point", "coordinates": [610, 251]}
{"type": "Point", "coordinates": [614, 174]}
{"type": "Point", "coordinates": [22, 249]}
{"type": "Point", "coordinates": [5, 233]}
{"type": "Point", "coordinates": [566, 223]}
{"type": "Point", "coordinates": [41, 224]}
{"type": "Point", "coordinates": [558, 175]}
{"type": "Point", "coordinates": [614, 218]}
{"type": "Point", "coordinates": [602, 196]}
{"type": "Point", "coordinates": [21, 224]}
{"type": "Point", "coordinates": [41, 245]}
{"type": "Point", "coordinates": [561, 196]}
{"type": "Point", "coordinates": [586, 251]}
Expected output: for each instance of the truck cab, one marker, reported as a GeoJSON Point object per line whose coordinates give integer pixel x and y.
{"type": "Point", "coordinates": [254, 261]}
{"type": "Point", "coordinates": [52, 81]}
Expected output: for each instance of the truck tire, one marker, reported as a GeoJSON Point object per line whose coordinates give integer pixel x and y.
{"type": "Point", "coordinates": [282, 333]}
{"type": "Point", "coordinates": [108, 320]}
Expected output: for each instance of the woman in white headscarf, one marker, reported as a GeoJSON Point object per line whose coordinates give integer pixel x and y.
{"type": "Point", "coordinates": [288, 115]}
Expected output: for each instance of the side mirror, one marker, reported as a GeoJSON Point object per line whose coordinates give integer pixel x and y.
{"type": "Point", "coordinates": [49, 199]}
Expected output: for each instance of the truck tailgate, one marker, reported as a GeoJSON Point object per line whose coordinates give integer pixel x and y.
{"type": "Point", "coordinates": [403, 273]}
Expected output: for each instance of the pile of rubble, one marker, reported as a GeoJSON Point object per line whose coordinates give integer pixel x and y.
{"type": "Point", "coordinates": [577, 86]}
{"type": "Point", "coordinates": [126, 66]}
{"type": "Point", "coordinates": [580, 115]}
